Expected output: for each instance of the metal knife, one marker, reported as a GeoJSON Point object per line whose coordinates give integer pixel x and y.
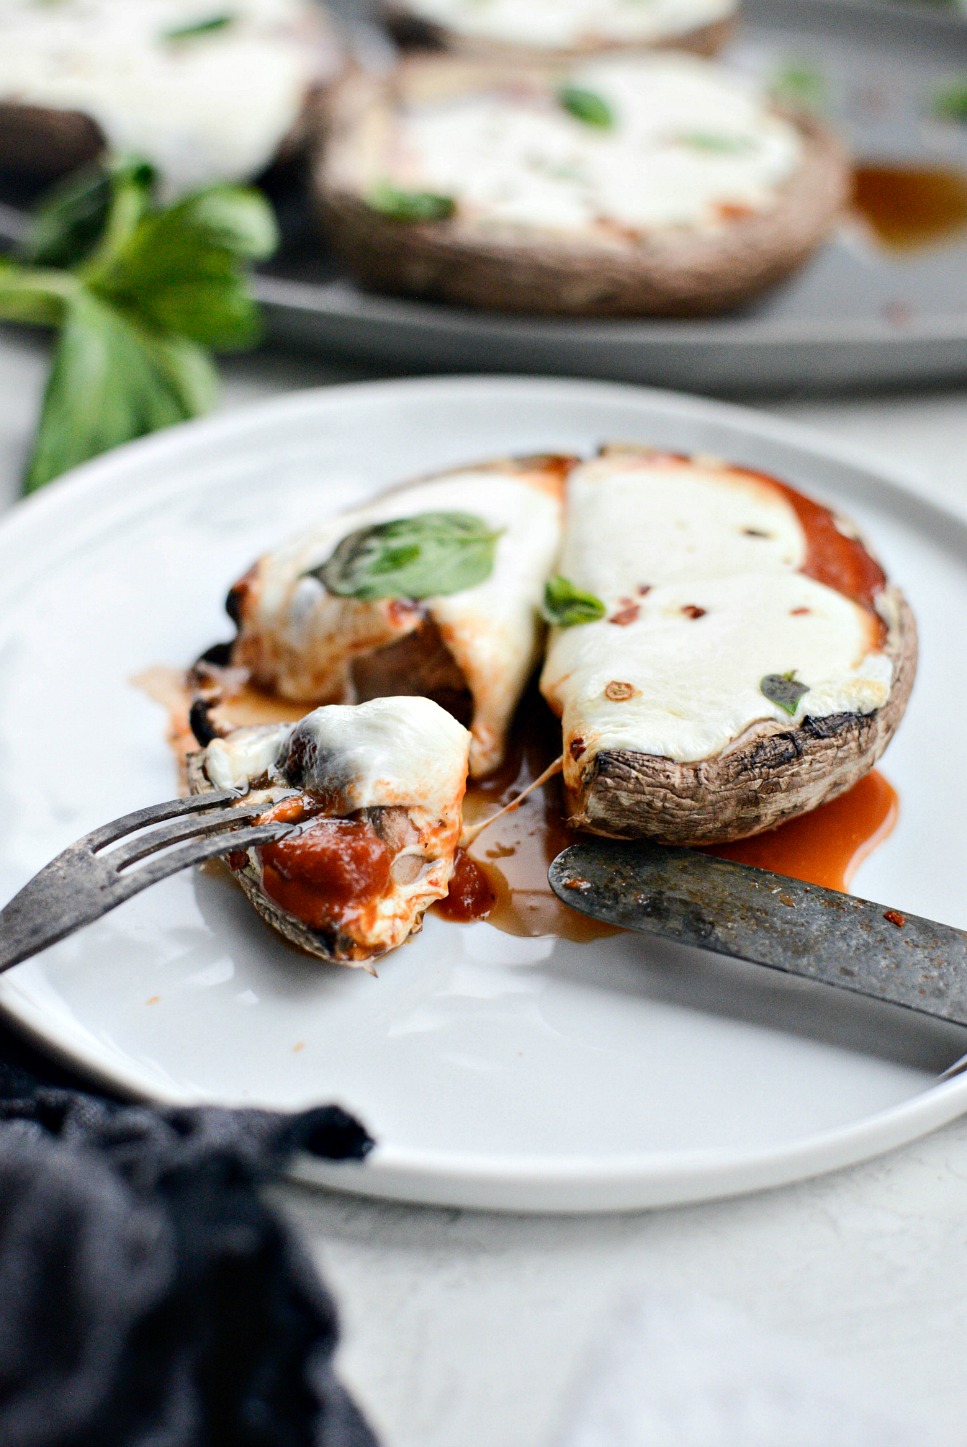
{"type": "Point", "coordinates": [768, 919]}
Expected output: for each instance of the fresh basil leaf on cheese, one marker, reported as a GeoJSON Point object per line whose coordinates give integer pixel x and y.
{"type": "Point", "coordinates": [783, 689]}
{"type": "Point", "coordinates": [587, 106]}
{"type": "Point", "coordinates": [801, 86]}
{"type": "Point", "coordinates": [717, 144]}
{"type": "Point", "coordinates": [411, 205]}
{"type": "Point", "coordinates": [566, 606]}
{"type": "Point", "coordinates": [430, 554]}
{"type": "Point", "coordinates": [208, 26]}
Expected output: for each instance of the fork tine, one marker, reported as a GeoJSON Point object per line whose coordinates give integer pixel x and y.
{"type": "Point", "coordinates": [153, 814]}
{"type": "Point", "coordinates": [195, 852]}
{"type": "Point", "coordinates": [191, 828]}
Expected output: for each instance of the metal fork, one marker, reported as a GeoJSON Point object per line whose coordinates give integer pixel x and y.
{"type": "Point", "coordinates": [84, 883]}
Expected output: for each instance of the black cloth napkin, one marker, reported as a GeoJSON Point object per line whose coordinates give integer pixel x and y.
{"type": "Point", "coordinates": [149, 1297]}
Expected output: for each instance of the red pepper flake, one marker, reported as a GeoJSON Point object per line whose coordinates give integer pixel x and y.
{"type": "Point", "coordinates": [626, 616]}
{"type": "Point", "coordinates": [692, 611]}
{"type": "Point", "coordinates": [895, 917]}
{"type": "Point", "coordinates": [644, 589]}
{"type": "Point", "coordinates": [576, 748]}
{"type": "Point", "coordinates": [733, 210]}
{"type": "Point", "coordinates": [799, 612]}
{"type": "Point", "coordinates": [755, 533]}
{"type": "Point", "coordinates": [619, 692]}
{"type": "Point", "coordinates": [581, 884]}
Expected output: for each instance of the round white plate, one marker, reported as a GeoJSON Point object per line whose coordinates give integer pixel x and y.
{"type": "Point", "coordinates": [494, 1071]}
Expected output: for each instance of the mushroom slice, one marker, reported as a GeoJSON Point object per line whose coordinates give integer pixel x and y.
{"type": "Point", "coordinates": [750, 660]}
{"type": "Point", "coordinates": [375, 792]}
{"type": "Point", "coordinates": [433, 589]}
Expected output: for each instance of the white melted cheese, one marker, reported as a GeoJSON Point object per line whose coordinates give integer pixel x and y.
{"type": "Point", "coordinates": [493, 630]}
{"type": "Point", "coordinates": [690, 146]}
{"type": "Point", "coordinates": [659, 541]}
{"type": "Point", "coordinates": [571, 24]}
{"type": "Point", "coordinates": [205, 108]}
{"type": "Point", "coordinates": [388, 752]}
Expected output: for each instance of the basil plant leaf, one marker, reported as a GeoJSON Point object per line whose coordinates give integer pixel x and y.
{"type": "Point", "coordinates": [423, 556]}
{"type": "Point", "coordinates": [783, 689]}
{"type": "Point", "coordinates": [586, 106]}
{"type": "Point", "coordinates": [566, 606]}
{"type": "Point", "coordinates": [181, 270]}
{"type": "Point", "coordinates": [112, 380]}
{"type": "Point", "coordinates": [71, 220]}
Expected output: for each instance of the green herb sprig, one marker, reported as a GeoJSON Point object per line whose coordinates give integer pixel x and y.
{"type": "Point", "coordinates": [140, 293]}
{"type": "Point", "coordinates": [566, 606]}
{"type": "Point", "coordinates": [801, 86]}
{"type": "Point", "coordinates": [783, 689]}
{"type": "Point", "coordinates": [410, 205]}
{"type": "Point", "coordinates": [586, 106]}
{"type": "Point", "coordinates": [424, 556]}
{"type": "Point", "coordinates": [208, 26]}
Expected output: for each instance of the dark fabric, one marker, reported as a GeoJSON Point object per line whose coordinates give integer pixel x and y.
{"type": "Point", "coordinates": [148, 1295]}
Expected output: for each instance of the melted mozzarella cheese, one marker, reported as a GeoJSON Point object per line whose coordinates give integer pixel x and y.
{"type": "Point", "coordinates": [699, 567]}
{"type": "Point", "coordinates": [691, 144]}
{"type": "Point", "coordinates": [301, 638]}
{"type": "Point", "coordinates": [385, 753]}
{"type": "Point", "coordinates": [571, 24]}
{"type": "Point", "coordinates": [209, 107]}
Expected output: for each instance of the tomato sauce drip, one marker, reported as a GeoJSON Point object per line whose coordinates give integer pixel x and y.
{"type": "Point", "coordinates": [833, 558]}
{"type": "Point", "coordinates": [827, 846]}
{"type": "Point", "coordinates": [911, 207]}
{"type": "Point", "coordinates": [514, 854]}
{"type": "Point", "coordinates": [328, 873]}
{"type": "Point", "coordinates": [471, 895]}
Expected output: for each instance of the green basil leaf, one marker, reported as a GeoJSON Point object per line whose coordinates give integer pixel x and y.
{"type": "Point", "coordinates": [784, 690]}
{"type": "Point", "coordinates": [72, 218]}
{"type": "Point", "coordinates": [718, 144]}
{"type": "Point", "coordinates": [200, 27]}
{"type": "Point", "coordinates": [181, 270]}
{"type": "Point", "coordinates": [29, 294]}
{"type": "Point", "coordinates": [112, 380]}
{"type": "Point", "coordinates": [950, 103]}
{"type": "Point", "coordinates": [586, 106]}
{"type": "Point", "coordinates": [800, 86]}
{"type": "Point", "coordinates": [566, 606]}
{"type": "Point", "coordinates": [424, 556]}
{"type": "Point", "coordinates": [410, 205]}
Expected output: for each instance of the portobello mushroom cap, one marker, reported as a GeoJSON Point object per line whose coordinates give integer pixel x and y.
{"type": "Point", "coordinates": [413, 31]}
{"type": "Point", "coordinates": [766, 776]}
{"type": "Point", "coordinates": [668, 271]}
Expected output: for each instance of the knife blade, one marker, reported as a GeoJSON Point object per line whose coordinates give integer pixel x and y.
{"type": "Point", "coordinates": [768, 919]}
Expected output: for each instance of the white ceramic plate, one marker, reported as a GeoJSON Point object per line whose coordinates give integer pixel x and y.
{"type": "Point", "coordinates": [494, 1071]}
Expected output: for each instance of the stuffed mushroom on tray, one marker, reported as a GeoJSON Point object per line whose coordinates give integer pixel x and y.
{"type": "Point", "coordinates": [621, 186]}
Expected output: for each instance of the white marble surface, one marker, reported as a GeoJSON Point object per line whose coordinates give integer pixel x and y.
{"type": "Point", "coordinates": [465, 1330]}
